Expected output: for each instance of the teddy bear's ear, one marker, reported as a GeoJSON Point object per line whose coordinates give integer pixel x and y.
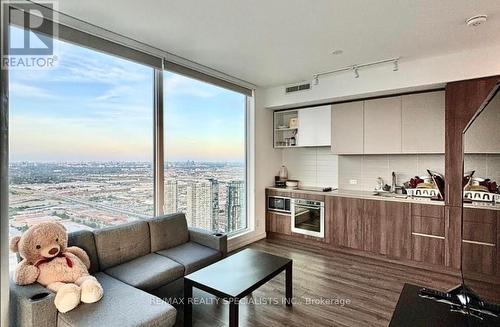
{"type": "Point", "coordinates": [14, 243]}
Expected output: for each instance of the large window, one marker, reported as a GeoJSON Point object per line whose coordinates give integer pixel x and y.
{"type": "Point", "coordinates": [205, 153]}
{"type": "Point", "coordinates": [81, 141]}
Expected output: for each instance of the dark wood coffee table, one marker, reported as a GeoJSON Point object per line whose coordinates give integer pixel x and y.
{"type": "Point", "coordinates": [235, 277]}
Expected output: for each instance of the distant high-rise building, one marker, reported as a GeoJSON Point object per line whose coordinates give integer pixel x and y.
{"type": "Point", "coordinates": [235, 205]}
{"type": "Point", "coordinates": [202, 202]}
{"type": "Point", "coordinates": [214, 190]}
{"type": "Point", "coordinates": [170, 196]}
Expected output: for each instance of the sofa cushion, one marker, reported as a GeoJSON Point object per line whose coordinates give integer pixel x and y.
{"type": "Point", "coordinates": [192, 256]}
{"type": "Point", "coordinates": [122, 305]}
{"type": "Point", "coordinates": [119, 244]}
{"type": "Point", "coordinates": [85, 239]}
{"type": "Point", "coordinates": [168, 231]}
{"type": "Point", "coordinates": [148, 272]}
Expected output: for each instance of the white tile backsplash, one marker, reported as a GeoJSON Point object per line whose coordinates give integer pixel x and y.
{"type": "Point", "coordinates": [312, 166]}
{"type": "Point", "coordinates": [367, 168]}
{"type": "Point", "coordinates": [350, 167]}
{"type": "Point", "coordinates": [430, 161]}
{"type": "Point", "coordinates": [320, 167]}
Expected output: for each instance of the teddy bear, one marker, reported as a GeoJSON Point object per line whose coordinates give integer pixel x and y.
{"type": "Point", "coordinates": [48, 260]}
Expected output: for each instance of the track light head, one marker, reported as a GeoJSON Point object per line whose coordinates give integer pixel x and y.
{"type": "Point", "coordinates": [356, 73]}
{"type": "Point", "coordinates": [315, 80]}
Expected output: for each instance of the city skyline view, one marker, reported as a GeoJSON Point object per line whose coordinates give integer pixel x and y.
{"type": "Point", "coordinates": [90, 195]}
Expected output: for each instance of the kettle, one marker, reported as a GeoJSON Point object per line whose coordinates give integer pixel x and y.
{"type": "Point", "coordinates": [283, 173]}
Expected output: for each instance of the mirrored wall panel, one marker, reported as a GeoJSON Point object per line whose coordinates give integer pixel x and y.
{"type": "Point", "coordinates": [481, 203]}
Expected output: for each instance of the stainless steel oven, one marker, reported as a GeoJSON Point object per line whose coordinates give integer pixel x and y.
{"type": "Point", "coordinates": [308, 217]}
{"type": "Point", "coordinates": [279, 204]}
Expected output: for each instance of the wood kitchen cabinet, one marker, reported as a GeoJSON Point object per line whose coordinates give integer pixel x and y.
{"type": "Point", "coordinates": [382, 126]}
{"type": "Point", "coordinates": [412, 233]}
{"type": "Point", "coordinates": [374, 225]}
{"type": "Point", "coordinates": [480, 241]}
{"type": "Point", "coordinates": [398, 229]}
{"type": "Point", "coordinates": [278, 223]}
{"type": "Point", "coordinates": [428, 233]}
{"type": "Point", "coordinates": [347, 222]}
{"type": "Point", "coordinates": [423, 122]}
{"type": "Point", "coordinates": [387, 228]}
{"type": "Point", "coordinates": [348, 128]}
{"type": "Point", "coordinates": [283, 193]}
{"type": "Point", "coordinates": [314, 126]}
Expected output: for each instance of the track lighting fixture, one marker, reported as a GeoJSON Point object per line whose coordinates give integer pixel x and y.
{"type": "Point", "coordinates": [355, 68]}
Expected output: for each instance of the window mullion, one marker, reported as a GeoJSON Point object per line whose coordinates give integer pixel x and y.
{"type": "Point", "coordinates": [158, 162]}
{"type": "Point", "coordinates": [4, 170]}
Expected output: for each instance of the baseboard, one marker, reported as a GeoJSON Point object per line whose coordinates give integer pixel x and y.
{"type": "Point", "coordinates": [244, 240]}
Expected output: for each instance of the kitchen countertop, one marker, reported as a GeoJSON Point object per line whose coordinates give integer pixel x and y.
{"type": "Point", "coordinates": [370, 196]}
{"type": "Point", "coordinates": [359, 195]}
{"type": "Point", "coordinates": [483, 205]}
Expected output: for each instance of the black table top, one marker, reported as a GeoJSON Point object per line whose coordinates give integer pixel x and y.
{"type": "Point", "coordinates": [235, 275]}
{"type": "Point", "coordinates": [413, 310]}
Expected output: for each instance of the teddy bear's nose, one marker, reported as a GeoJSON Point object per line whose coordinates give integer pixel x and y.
{"type": "Point", "coordinates": [53, 251]}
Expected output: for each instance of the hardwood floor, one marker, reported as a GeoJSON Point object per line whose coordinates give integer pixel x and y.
{"type": "Point", "coordinates": [367, 291]}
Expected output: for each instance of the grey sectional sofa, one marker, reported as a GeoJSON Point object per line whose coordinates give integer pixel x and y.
{"type": "Point", "coordinates": [138, 264]}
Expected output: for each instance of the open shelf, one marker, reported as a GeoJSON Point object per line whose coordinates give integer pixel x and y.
{"type": "Point", "coordinates": [283, 133]}
{"type": "Point", "coordinates": [285, 146]}
{"type": "Point", "coordinates": [285, 129]}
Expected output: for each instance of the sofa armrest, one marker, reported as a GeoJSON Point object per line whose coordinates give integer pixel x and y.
{"type": "Point", "coordinates": [209, 239]}
{"type": "Point", "coordinates": [31, 305]}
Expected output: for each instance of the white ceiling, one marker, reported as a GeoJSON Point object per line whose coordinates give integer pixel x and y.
{"type": "Point", "coordinates": [274, 42]}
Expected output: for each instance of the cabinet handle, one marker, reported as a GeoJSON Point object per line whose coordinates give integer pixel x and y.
{"type": "Point", "coordinates": [479, 243]}
{"type": "Point", "coordinates": [447, 221]}
{"type": "Point", "coordinates": [428, 235]}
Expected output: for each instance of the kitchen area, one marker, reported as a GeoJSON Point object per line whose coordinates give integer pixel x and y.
{"type": "Point", "coordinates": [367, 177]}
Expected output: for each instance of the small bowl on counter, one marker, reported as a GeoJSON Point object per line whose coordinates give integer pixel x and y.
{"type": "Point", "coordinates": [292, 183]}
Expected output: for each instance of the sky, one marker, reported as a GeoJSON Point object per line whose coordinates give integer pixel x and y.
{"type": "Point", "coordinates": [96, 107]}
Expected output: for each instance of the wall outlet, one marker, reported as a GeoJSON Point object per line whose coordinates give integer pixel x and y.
{"type": "Point", "coordinates": [353, 181]}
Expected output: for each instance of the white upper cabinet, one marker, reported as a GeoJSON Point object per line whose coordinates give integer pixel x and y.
{"type": "Point", "coordinates": [382, 122]}
{"type": "Point", "coordinates": [347, 128]}
{"type": "Point", "coordinates": [314, 126]}
{"type": "Point", "coordinates": [423, 122]}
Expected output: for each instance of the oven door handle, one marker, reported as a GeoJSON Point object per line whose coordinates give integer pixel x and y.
{"type": "Point", "coordinates": [308, 207]}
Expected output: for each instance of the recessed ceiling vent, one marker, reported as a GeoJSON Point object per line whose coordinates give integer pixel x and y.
{"type": "Point", "coordinates": [297, 88]}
